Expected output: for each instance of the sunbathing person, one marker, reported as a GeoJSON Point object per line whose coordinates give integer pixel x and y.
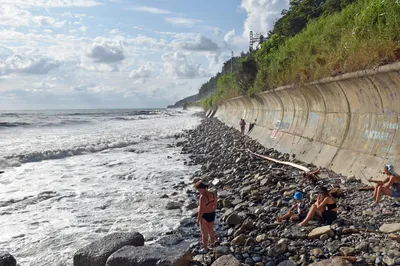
{"type": "Point", "coordinates": [301, 211]}
{"type": "Point", "coordinates": [390, 186]}
{"type": "Point", "coordinates": [325, 208]}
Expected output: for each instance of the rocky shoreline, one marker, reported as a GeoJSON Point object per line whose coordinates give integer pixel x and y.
{"type": "Point", "coordinates": [252, 192]}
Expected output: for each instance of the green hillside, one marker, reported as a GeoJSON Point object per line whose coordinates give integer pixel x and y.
{"type": "Point", "coordinates": [316, 39]}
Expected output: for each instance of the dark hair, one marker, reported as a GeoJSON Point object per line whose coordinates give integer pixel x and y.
{"type": "Point", "coordinates": [200, 185]}
{"type": "Point", "coordinates": [323, 190]}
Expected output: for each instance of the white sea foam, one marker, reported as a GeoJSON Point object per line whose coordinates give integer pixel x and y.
{"type": "Point", "coordinates": [65, 186]}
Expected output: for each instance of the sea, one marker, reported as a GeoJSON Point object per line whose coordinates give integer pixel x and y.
{"type": "Point", "coordinates": [73, 176]}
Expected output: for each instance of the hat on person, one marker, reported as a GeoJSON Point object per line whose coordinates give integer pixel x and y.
{"type": "Point", "coordinates": [390, 168]}
{"type": "Point", "coordinates": [298, 196]}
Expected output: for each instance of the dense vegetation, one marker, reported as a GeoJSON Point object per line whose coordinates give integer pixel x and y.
{"type": "Point", "coordinates": [316, 39]}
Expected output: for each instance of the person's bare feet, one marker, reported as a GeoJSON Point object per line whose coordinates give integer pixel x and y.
{"type": "Point", "coordinates": [303, 224]}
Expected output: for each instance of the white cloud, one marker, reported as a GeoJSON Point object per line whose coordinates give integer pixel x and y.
{"type": "Point", "coordinates": [107, 52]}
{"type": "Point", "coordinates": [178, 65]}
{"type": "Point", "coordinates": [180, 21]}
{"type": "Point", "coordinates": [217, 32]}
{"type": "Point", "coordinates": [48, 21]}
{"type": "Point", "coordinates": [115, 31]}
{"type": "Point", "coordinates": [34, 65]}
{"type": "Point", "coordinates": [261, 14]}
{"type": "Point", "coordinates": [73, 15]}
{"type": "Point", "coordinates": [152, 10]}
{"type": "Point", "coordinates": [43, 86]}
{"type": "Point", "coordinates": [12, 16]}
{"type": "Point", "coordinates": [145, 43]}
{"type": "Point", "coordinates": [98, 67]}
{"type": "Point", "coordinates": [200, 43]}
{"type": "Point", "coordinates": [142, 72]}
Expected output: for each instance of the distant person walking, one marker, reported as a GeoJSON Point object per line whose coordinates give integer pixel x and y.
{"type": "Point", "coordinates": [206, 215]}
{"type": "Point", "coordinates": [242, 125]}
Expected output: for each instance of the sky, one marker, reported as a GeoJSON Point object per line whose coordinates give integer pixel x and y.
{"type": "Point", "coordinates": [68, 54]}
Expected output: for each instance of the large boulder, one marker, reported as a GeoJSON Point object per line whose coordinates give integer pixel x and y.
{"type": "Point", "coordinates": [97, 253]}
{"type": "Point", "coordinates": [319, 231]}
{"type": "Point", "coordinates": [227, 260]}
{"type": "Point", "coordinates": [173, 205]}
{"type": "Point", "coordinates": [6, 259]}
{"type": "Point", "coordinates": [390, 228]}
{"type": "Point", "coordinates": [277, 249]}
{"type": "Point", "coordinates": [336, 261]}
{"type": "Point", "coordinates": [233, 220]}
{"type": "Point", "coordinates": [148, 256]}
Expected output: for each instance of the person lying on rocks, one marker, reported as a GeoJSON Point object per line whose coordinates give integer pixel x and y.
{"type": "Point", "coordinates": [206, 215]}
{"type": "Point", "coordinates": [325, 208]}
{"type": "Point", "coordinates": [301, 209]}
{"type": "Point", "coordinates": [390, 186]}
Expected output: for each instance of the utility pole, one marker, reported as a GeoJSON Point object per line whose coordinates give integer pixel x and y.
{"type": "Point", "coordinates": [232, 63]}
{"type": "Point", "coordinates": [251, 42]}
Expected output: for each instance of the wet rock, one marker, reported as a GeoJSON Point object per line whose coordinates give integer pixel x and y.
{"type": "Point", "coordinates": [277, 249]}
{"type": "Point", "coordinates": [262, 238]}
{"type": "Point", "coordinates": [336, 261]}
{"type": "Point", "coordinates": [324, 237]}
{"type": "Point", "coordinates": [233, 219]}
{"type": "Point", "coordinates": [221, 251]}
{"type": "Point", "coordinates": [287, 263]}
{"type": "Point", "coordinates": [333, 246]}
{"type": "Point", "coordinates": [237, 241]}
{"type": "Point", "coordinates": [332, 262]}
{"type": "Point", "coordinates": [227, 260]}
{"type": "Point", "coordinates": [98, 251]}
{"type": "Point", "coordinates": [6, 259]}
{"type": "Point", "coordinates": [317, 232]}
{"type": "Point", "coordinates": [149, 255]}
{"type": "Point", "coordinates": [389, 261]}
{"type": "Point", "coordinates": [173, 205]}
{"type": "Point", "coordinates": [191, 205]}
{"type": "Point", "coordinates": [346, 251]}
{"type": "Point", "coordinates": [317, 252]}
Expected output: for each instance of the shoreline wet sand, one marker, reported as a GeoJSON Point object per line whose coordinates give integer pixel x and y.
{"type": "Point", "coordinates": [253, 191]}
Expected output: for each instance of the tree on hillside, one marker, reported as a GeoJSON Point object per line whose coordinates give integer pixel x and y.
{"type": "Point", "coordinates": [246, 73]}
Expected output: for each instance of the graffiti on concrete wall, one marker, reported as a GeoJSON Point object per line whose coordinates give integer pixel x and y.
{"type": "Point", "coordinates": [376, 135]}
{"type": "Point", "coordinates": [279, 125]}
{"type": "Point", "coordinates": [389, 125]}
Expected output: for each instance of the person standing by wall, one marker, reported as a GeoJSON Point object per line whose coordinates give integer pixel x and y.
{"type": "Point", "coordinates": [242, 125]}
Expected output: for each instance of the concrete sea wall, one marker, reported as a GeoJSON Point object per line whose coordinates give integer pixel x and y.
{"type": "Point", "coordinates": [348, 123]}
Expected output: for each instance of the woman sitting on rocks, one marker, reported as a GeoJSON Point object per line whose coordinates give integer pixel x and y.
{"type": "Point", "coordinates": [301, 211]}
{"type": "Point", "coordinates": [325, 208]}
{"type": "Point", "coordinates": [206, 215]}
{"type": "Point", "coordinates": [390, 186]}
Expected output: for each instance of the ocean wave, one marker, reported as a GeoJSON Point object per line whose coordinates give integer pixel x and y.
{"type": "Point", "coordinates": [13, 124]}
{"type": "Point", "coordinates": [43, 124]}
{"type": "Point", "coordinates": [18, 159]}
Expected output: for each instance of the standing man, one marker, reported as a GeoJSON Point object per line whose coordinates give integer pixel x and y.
{"type": "Point", "coordinates": [242, 125]}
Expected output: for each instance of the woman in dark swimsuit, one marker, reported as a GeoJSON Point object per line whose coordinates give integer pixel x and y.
{"type": "Point", "coordinates": [325, 208]}
{"type": "Point", "coordinates": [206, 215]}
